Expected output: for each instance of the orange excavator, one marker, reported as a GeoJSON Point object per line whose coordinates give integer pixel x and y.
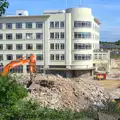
{"type": "Point", "coordinates": [32, 67]}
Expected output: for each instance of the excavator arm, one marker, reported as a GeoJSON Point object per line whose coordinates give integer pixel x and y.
{"type": "Point", "coordinates": [32, 65]}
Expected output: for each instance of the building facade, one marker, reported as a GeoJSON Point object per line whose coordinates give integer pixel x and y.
{"type": "Point", "coordinates": [102, 61]}
{"type": "Point", "coordinates": [63, 41]}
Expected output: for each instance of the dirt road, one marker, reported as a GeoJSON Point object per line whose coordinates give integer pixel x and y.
{"type": "Point", "coordinates": [110, 83]}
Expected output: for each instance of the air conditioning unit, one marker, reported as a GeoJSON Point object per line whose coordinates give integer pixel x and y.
{"type": "Point", "coordinates": [21, 13]}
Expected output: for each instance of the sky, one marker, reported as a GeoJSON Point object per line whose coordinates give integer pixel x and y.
{"type": "Point", "coordinates": [107, 11]}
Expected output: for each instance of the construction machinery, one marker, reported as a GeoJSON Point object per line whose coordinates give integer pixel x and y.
{"type": "Point", "coordinates": [32, 67]}
{"type": "Point", "coordinates": [99, 75]}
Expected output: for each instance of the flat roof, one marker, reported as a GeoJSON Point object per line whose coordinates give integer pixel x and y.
{"type": "Point", "coordinates": [17, 16]}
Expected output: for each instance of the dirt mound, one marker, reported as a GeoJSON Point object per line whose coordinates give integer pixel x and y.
{"type": "Point", "coordinates": [59, 93]}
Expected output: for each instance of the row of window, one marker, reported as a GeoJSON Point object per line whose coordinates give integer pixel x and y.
{"type": "Point", "coordinates": [57, 46]}
{"type": "Point", "coordinates": [20, 46]}
{"type": "Point", "coordinates": [38, 56]}
{"type": "Point", "coordinates": [85, 24]}
{"type": "Point", "coordinates": [78, 46]}
{"type": "Point", "coordinates": [10, 56]}
{"type": "Point", "coordinates": [19, 69]}
{"type": "Point", "coordinates": [53, 24]}
{"type": "Point", "coordinates": [57, 57]}
{"type": "Point", "coordinates": [82, 56]}
{"type": "Point", "coordinates": [100, 56]}
{"type": "Point", "coordinates": [20, 25]}
{"type": "Point", "coordinates": [82, 35]}
{"type": "Point", "coordinates": [9, 36]}
{"type": "Point", "coordinates": [57, 24]}
{"type": "Point", "coordinates": [57, 35]}
{"type": "Point", "coordinates": [82, 24]}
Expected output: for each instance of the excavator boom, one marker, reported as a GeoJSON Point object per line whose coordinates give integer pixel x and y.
{"type": "Point", "coordinates": [31, 60]}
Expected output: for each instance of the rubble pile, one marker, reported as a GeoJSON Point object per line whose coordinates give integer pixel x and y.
{"type": "Point", "coordinates": [57, 92]}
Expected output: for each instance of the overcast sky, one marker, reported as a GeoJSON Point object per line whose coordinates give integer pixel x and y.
{"type": "Point", "coordinates": [107, 11]}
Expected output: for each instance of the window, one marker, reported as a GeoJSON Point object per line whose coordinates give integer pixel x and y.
{"type": "Point", "coordinates": [1, 57]}
{"type": "Point", "coordinates": [52, 46]}
{"type": "Point", "coordinates": [62, 35]}
{"type": "Point", "coordinates": [57, 24]}
{"type": "Point", "coordinates": [51, 24]}
{"type": "Point", "coordinates": [18, 25]}
{"type": "Point", "coordinates": [19, 36]}
{"type": "Point", "coordinates": [62, 57]}
{"type": "Point", "coordinates": [62, 46]}
{"type": "Point", "coordinates": [100, 56]}
{"type": "Point", "coordinates": [62, 24]}
{"type": "Point", "coordinates": [51, 57]}
{"type": "Point", "coordinates": [82, 56]}
{"type": "Point", "coordinates": [1, 46]}
{"type": "Point", "coordinates": [57, 46]}
{"type": "Point", "coordinates": [82, 24]}
{"type": "Point", "coordinates": [8, 25]}
{"type": "Point", "coordinates": [18, 69]}
{"type": "Point", "coordinates": [38, 69]}
{"type": "Point", "coordinates": [39, 35]}
{"type": "Point", "coordinates": [9, 36]}
{"type": "Point", "coordinates": [39, 46]}
{"type": "Point", "coordinates": [95, 56]}
{"type": "Point", "coordinates": [29, 46]}
{"type": "Point", "coordinates": [19, 56]}
{"type": "Point", "coordinates": [1, 25]}
{"type": "Point", "coordinates": [82, 46]}
{"type": "Point", "coordinates": [29, 25]}
{"type": "Point", "coordinates": [19, 46]}
{"type": "Point", "coordinates": [51, 35]}
{"type": "Point", "coordinates": [57, 35]}
{"type": "Point", "coordinates": [29, 36]}
{"type": "Point", "coordinates": [1, 36]}
{"type": "Point", "coordinates": [39, 25]}
{"type": "Point", "coordinates": [9, 46]}
{"type": "Point", "coordinates": [9, 57]}
{"type": "Point", "coordinates": [82, 35]}
{"type": "Point", "coordinates": [39, 57]}
{"type": "Point", "coordinates": [57, 56]}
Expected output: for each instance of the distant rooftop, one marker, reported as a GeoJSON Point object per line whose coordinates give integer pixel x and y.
{"type": "Point", "coordinates": [109, 46]}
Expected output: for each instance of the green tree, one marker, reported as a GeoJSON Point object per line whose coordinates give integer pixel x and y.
{"type": "Point", "coordinates": [3, 5]}
{"type": "Point", "coordinates": [10, 94]}
{"type": "Point", "coordinates": [117, 42]}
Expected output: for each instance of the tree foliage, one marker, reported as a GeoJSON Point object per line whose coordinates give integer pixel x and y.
{"type": "Point", "coordinates": [3, 5]}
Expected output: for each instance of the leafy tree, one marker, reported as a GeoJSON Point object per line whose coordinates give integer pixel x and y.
{"type": "Point", "coordinates": [10, 93]}
{"type": "Point", "coordinates": [117, 42]}
{"type": "Point", "coordinates": [3, 5]}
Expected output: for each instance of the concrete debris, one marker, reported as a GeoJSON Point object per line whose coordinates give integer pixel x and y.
{"type": "Point", "coordinates": [114, 93]}
{"type": "Point", "coordinates": [57, 92]}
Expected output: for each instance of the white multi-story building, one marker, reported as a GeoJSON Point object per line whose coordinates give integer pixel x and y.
{"type": "Point", "coordinates": [63, 40]}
